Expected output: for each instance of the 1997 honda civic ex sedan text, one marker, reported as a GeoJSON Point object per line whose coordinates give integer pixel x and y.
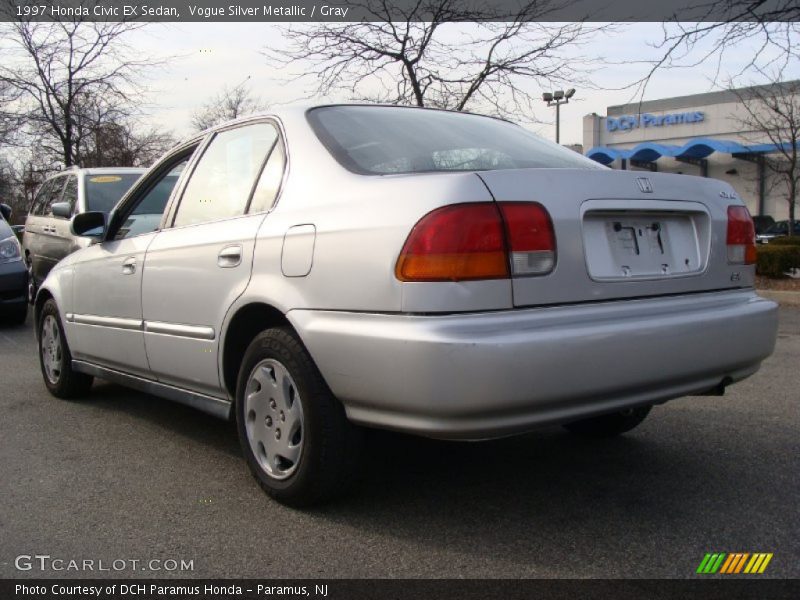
{"type": "Point", "coordinates": [445, 274]}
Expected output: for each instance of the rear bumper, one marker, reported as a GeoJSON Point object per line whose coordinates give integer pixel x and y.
{"type": "Point", "coordinates": [13, 284]}
{"type": "Point", "coordinates": [484, 375]}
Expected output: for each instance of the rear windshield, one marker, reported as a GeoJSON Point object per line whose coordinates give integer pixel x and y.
{"type": "Point", "coordinates": [380, 140]}
{"type": "Point", "coordinates": [104, 191]}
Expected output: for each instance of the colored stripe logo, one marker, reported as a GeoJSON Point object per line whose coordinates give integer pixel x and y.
{"type": "Point", "coordinates": [734, 563]}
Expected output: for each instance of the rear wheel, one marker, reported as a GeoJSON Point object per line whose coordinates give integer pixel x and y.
{"type": "Point", "coordinates": [609, 425]}
{"type": "Point", "coordinates": [55, 358]}
{"type": "Point", "coordinates": [295, 435]}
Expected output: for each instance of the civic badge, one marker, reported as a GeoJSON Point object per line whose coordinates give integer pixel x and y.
{"type": "Point", "coordinates": [644, 185]}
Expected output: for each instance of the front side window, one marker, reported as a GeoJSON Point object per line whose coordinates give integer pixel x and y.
{"type": "Point", "coordinates": [71, 193]}
{"type": "Point", "coordinates": [104, 191]}
{"type": "Point", "coordinates": [382, 140]}
{"type": "Point", "coordinates": [220, 186]}
{"type": "Point", "coordinates": [146, 214]}
{"type": "Point", "coordinates": [40, 201]}
{"type": "Point", "coordinates": [49, 193]}
{"type": "Point", "coordinates": [54, 194]}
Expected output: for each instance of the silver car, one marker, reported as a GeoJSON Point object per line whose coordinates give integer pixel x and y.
{"type": "Point", "coordinates": [316, 271]}
{"type": "Point", "coordinates": [47, 237]}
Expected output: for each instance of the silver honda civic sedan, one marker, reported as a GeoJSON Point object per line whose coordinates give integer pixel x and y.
{"type": "Point", "coordinates": [316, 271]}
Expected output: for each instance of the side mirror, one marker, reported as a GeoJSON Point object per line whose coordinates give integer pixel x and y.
{"type": "Point", "coordinates": [61, 209]}
{"type": "Point", "coordinates": [88, 224]}
{"type": "Point", "coordinates": [5, 209]}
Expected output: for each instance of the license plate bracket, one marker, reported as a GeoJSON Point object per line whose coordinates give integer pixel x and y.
{"type": "Point", "coordinates": [623, 245]}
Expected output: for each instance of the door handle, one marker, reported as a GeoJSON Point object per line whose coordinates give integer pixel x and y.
{"type": "Point", "coordinates": [129, 266]}
{"type": "Point", "coordinates": [230, 256]}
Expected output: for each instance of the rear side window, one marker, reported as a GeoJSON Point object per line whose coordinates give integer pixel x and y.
{"type": "Point", "coordinates": [104, 191]}
{"type": "Point", "coordinates": [381, 140]}
{"type": "Point", "coordinates": [220, 186]}
{"type": "Point", "coordinates": [269, 182]}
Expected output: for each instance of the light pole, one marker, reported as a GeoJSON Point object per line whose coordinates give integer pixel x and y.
{"type": "Point", "coordinates": [556, 99]}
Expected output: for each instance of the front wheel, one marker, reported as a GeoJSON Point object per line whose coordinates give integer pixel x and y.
{"type": "Point", "coordinates": [55, 358]}
{"type": "Point", "coordinates": [610, 425]}
{"type": "Point", "coordinates": [294, 433]}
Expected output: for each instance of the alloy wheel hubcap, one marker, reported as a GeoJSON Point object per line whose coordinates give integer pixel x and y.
{"type": "Point", "coordinates": [52, 352]}
{"type": "Point", "coordinates": [274, 419]}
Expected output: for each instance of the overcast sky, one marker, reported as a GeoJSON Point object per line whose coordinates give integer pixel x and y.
{"type": "Point", "coordinates": [211, 55]}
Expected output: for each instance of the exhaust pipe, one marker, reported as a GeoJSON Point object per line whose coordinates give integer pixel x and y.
{"type": "Point", "coordinates": [719, 389]}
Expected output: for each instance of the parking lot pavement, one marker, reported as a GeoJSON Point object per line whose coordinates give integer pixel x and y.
{"type": "Point", "coordinates": [126, 476]}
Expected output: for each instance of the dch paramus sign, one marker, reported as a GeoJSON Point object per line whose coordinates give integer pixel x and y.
{"type": "Point", "coordinates": [628, 122]}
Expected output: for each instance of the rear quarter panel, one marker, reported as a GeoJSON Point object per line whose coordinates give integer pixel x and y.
{"type": "Point", "coordinates": [361, 224]}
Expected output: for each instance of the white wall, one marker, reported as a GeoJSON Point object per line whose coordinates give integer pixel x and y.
{"type": "Point", "coordinates": [721, 121]}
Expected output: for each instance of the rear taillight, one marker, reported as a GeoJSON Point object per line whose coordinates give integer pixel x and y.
{"type": "Point", "coordinates": [482, 240]}
{"type": "Point", "coordinates": [741, 239]}
{"type": "Point", "coordinates": [531, 241]}
{"type": "Point", "coordinates": [455, 243]}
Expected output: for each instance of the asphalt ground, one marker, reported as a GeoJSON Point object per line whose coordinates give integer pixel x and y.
{"type": "Point", "coordinates": [127, 476]}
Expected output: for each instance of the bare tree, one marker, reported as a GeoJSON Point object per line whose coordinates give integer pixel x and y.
{"type": "Point", "coordinates": [230, 103]}
{"type": "Point", "coordinates": [9, 122]}
{"type": "Point", "coordinates": [764, 34]}
{"type": "Point", "coordinates": [772, 113]}
{"type": "Point", "coordinates": [54, 67]}
{"type": "Point", "coordinates": [124, 145]}
{"type": "Point", "coordinates": [424, 56]}
{"type": "Point", "coordinates": [7, 183]}
{"type": "Point", "coordinates": [19, 180]}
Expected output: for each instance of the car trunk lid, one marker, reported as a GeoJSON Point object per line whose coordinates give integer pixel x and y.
{"type": "Point", "coordinates": [625, 234]}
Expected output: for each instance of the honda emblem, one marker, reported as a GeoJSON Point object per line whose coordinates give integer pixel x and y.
{"type": "Point", "coordinates": [645, 185]}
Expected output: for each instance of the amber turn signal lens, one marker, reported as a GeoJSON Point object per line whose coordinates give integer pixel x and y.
{"type": "Point", "coordinates": [459, 242]}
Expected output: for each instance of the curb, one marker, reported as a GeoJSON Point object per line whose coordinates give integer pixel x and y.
{"type": "Point", "coordinates": [784, 298]}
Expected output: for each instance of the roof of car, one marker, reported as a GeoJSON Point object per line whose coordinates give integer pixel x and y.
{"type": "Point", "coordinates": [107, 170]}
{"type": "Point", "coordinates": [293, 110]}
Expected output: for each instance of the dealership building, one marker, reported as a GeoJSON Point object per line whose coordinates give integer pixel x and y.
{"type": "Point", "coordinates": [703, 134]}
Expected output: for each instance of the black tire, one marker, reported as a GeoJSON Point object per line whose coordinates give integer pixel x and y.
{"type": "Point", "coordinates": [611, 425]}
{"type": "Point", "coordinates": [330, 444]}
{"type": "Point", "coordinates": [65, 383]}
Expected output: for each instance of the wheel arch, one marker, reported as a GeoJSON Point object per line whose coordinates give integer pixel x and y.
{"type": "Point", "coordinates": [245, 324]}
{"type": "Point", "coordinates": [42, 296]}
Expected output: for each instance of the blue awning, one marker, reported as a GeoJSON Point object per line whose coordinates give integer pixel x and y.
{"type": "Point", "coordinates": [696, 148]}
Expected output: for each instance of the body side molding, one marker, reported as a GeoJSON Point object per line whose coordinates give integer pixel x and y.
{"type": "Point", "coordinates": [199, 332]}
{"type": "Point", "coordinates": [115, 322]}
{"type": "Point", "coordinates": [191, 331]}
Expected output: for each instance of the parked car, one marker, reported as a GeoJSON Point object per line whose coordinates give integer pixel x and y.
{"type": "Point", "coordinates": [762, 223]}
{"type": "Point", "coordinates": [47, 237]}
{"type": "Point", "coordinates": [316, 271]}
{"type": "Point", "coordinates": [779, 229]}
{"type": "Point", "coordinates": [13, 276]}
